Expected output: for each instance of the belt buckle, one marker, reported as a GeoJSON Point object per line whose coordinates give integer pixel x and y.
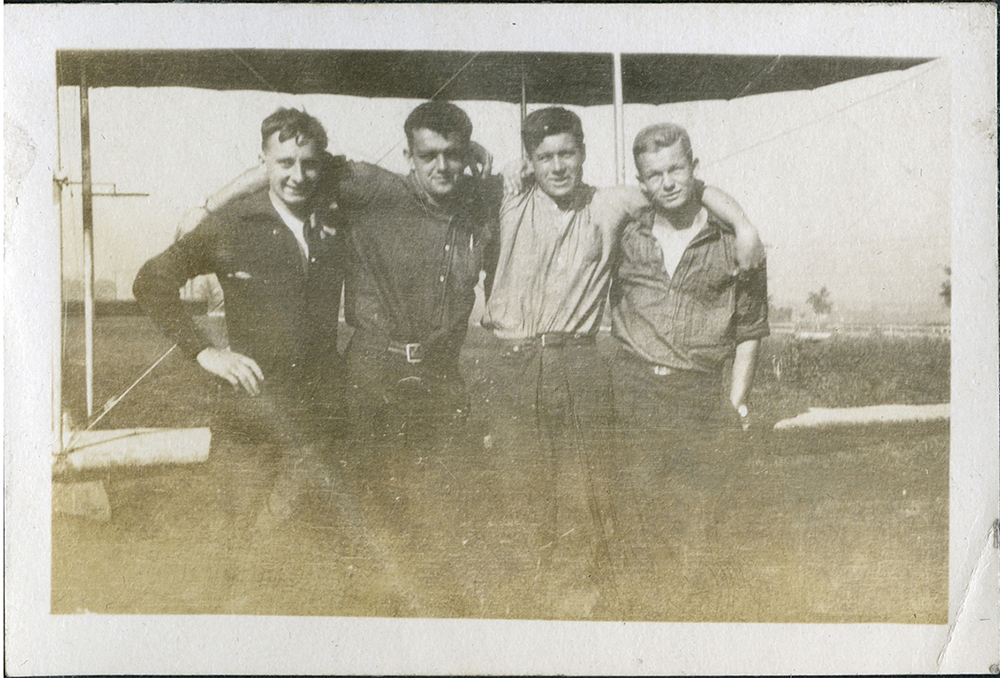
{"type": "Point", "coordinates": [549, 339]}
{"type": "Point", "coordinates": [661, 370]}
{"type": "Point", "coordinates": [412, 351]}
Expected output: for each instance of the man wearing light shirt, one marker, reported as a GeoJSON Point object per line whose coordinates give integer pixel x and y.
{"type": "Point", "coordinates": [550, 396]}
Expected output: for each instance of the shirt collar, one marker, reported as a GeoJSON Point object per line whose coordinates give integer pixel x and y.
{"type": "Point", "coordinates": [292, 221]}
{"type": "Point", "coordinates": [581, 197]}
{"type": "Point", "coordinates": [711, 229]}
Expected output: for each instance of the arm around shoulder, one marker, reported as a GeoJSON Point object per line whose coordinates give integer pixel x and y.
{"type": "Point", "coordinates": [749, 248]}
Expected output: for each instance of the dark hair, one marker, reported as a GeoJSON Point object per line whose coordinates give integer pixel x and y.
{"type": "Point", "coordinates": [441, 117]}
{"type": "Point", "coordinates": [546, 122]}
{"type": "Point", "coordinates": [292, 123]}
{"type": "Point", "coordinates": [664, 135]}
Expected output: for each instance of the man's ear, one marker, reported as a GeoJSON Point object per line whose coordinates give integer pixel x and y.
{"type": "Point", "coordinates": [408, 154]}
{"type": "Point", "coordinates": [583, 152]}
{"type": "Point", "coordinates": [694, 164]}
{"type": "Point", "coordinates": [261, 157]}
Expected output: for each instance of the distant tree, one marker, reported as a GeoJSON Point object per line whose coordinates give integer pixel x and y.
{"type": "Point", "coordinates": [820, 301]}
{"type": "Point", "coordinates": [946, 288]}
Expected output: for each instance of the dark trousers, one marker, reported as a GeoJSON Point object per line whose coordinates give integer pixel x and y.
{"type": "Point", "coordinates": [278, 444]}
{"type": "Point", "coordinates": [677, 431]}
{"type": "Point", "coordinates": [551, 414]}
{"type": "Point", "coordinates": [391, 398]}
{"type": "Point", "coordinates": [673, 413]}
{"type": "Point", "coordinates": [406, 420]}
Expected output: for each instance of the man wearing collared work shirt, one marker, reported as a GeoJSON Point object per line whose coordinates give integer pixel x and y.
{"type": "Point", "coordinates": [550, 396]}
{"type": "Point", "coordinates": [678, 310]}
{"type": "Point", "coordinates": [417, 245]}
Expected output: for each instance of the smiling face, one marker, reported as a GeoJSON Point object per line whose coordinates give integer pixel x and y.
{"type": "Point", "coordinates": [558, 165]}
{"type": "Point", "coordinates": [292, 170]}
{"type": "Point", "coordinates": [437, 161]}
{"type": "Point", "coordinates": [667, 177]}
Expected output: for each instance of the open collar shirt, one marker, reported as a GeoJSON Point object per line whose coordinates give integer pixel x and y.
{"type": "Point", "coordinates": [294, 224]}
{"type": "Point", "coordinates": [554, 265]}
{"type": "Point", "coordinates": [694, 319]}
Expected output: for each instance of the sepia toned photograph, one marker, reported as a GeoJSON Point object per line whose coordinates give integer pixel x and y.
{"type": "Point", "coordinates": [539, 335]}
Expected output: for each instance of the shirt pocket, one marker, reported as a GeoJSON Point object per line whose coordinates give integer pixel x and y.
{"type": "Point", "coordinates": [709, 319]}
{"type": "Point", "coordinates": [711, 282]}
{"type": "Point", "coordinates": [640, 257]}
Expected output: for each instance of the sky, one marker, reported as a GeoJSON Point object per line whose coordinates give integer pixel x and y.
{"type": "Point", "coordinates": [848, 184]}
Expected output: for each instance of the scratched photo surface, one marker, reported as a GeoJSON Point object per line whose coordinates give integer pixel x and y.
{"type": "Point", "coordinates": [842, 164]}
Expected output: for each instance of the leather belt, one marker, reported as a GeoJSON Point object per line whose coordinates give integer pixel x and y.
{"type": "Point", "coordinates": [413, 352]}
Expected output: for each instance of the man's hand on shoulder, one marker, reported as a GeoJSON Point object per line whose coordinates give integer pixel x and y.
{"type": "Point", "coordinates": [480, 160]}
{"type": "Point", "coordinates": [236, 368]}
{"type": "Point", "coordinates": [749, 249]}
{"type": "Point", "coordinates": [517, 177]}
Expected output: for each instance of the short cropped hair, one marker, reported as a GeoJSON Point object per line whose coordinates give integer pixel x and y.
{"type": "Point", "coordinates": [546, 122]}
{"type": "Point", "coordinates": [441, 117]}
{"type": "Point", "coordinates": [664, 135]}
{"type": "Point", "coordinates": [291, 123]}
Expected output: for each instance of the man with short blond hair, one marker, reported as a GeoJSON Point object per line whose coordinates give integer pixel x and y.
{"type": "Point", "coordinates": [679, 312]}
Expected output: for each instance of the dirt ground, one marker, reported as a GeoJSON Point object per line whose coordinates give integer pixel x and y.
{"type": "Point", "coordinates": [845, 526]}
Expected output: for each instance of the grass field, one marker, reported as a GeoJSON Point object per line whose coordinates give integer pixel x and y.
{"type": "Point", "coordinates": [838, 526]}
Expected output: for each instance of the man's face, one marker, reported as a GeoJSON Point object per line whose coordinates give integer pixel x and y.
{"type": "Point", "coordinates": [558, 164]}
{"type": "Point", "coordinates": [292, 170]}
{"type": "Point", "coordinates": [667, 177]}
{"type": "Point", "coordinates": [437, 161]}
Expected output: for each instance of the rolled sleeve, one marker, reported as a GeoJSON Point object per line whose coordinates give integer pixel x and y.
{"type": "Point", "coordinates": [751, 305]}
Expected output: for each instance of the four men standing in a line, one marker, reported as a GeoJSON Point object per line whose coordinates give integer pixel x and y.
{"type": "Point", "coordinates": [415, 248]}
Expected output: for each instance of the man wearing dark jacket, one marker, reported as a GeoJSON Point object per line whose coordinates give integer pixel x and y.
{"type": "Point", "coordinates": [280, 265]}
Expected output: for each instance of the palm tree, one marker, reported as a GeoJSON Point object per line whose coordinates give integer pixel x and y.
{"type": "Point", "coordinates": [820, 302]}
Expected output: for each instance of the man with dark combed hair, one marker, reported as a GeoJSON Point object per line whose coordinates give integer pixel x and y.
{"type": "Point", "coordinates": [440, 117]}
{"type": "Point", "coordinates": [548, 122]}
{"type": "Point", "coordinates": [293, 123]}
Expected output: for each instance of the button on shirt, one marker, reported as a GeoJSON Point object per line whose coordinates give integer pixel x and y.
{"type": "Point", "coordinates": [694, 319]}
{"type": "Point", "coordinates": [414, 265]}
{"type": "Point", "coordinates": [554, 265]}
